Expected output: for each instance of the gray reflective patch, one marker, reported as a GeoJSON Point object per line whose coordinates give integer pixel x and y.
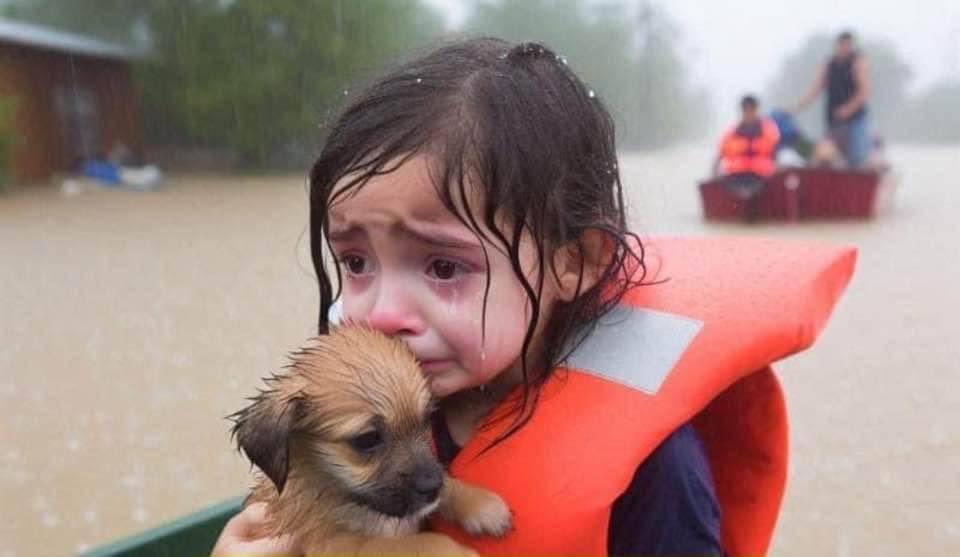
{"type": "Point", "coordinates": [636, 347]}
{"type": "Point", "coordinates": [335, 315]}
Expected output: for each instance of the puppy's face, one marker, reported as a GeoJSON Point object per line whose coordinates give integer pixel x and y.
{"type": "Point", "coordinates": [350, 418]}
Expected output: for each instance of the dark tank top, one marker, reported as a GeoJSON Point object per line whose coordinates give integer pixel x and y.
{"type": "Point", "coordinates": [841, 87]}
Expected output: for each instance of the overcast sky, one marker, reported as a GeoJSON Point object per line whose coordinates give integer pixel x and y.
{"type": "Point", "coordinates": [737, 45]}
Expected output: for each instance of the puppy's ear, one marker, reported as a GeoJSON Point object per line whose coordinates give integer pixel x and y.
{"type": "Point", "coordinates": [263, 430]}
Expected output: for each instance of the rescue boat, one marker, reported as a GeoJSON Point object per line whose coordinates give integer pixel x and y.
{"type": "Point", "coordinates": [799, 193]}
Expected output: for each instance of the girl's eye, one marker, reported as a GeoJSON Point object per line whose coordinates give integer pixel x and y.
{"type": "Point", "coordinates": [355, 264]}
{"type": "Point", "coordinates": [443, 269]}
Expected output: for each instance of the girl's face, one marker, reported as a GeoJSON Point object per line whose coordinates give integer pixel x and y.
{"type": "Point", "coordinates": [413, 271]}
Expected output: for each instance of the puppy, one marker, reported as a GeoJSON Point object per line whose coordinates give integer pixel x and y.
{"type": "Point", "coordinates": [342, 438]}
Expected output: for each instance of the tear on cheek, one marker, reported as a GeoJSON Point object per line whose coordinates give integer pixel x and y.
{"type": "Point", "coordinates": [476, 316]}
{"type": "Point", "coordinates": [462, 294]}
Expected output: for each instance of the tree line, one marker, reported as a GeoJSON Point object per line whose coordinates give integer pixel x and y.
{"type": "Point", "coordinates": [259, 78]}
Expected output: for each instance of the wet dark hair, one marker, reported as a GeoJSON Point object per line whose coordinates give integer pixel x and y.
{"type": "Point", "coordinates": [845, 35]}
{"type": "Point", "coordinates": [514, 121]}
{"type": "Point", "coordinates": [749, 101]}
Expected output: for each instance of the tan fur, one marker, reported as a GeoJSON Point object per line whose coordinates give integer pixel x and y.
{"type": "Point", "coordinates": [300, 433]}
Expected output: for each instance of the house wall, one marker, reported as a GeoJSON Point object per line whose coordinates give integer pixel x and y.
{"type": "Point", "coordinates": [44, 85]}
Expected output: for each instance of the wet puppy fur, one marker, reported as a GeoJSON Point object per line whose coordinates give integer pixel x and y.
{"type": "Point", "coordinates": [343, 440]}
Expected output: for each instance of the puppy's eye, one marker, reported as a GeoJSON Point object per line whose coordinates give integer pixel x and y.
{"type": "Point", "coordinates": [367, 442]}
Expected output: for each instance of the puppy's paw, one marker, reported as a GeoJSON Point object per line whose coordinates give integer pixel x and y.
{"type": "Point", "coordinates": [478, 511]}
{"type": "Point", "coordinates": [489, 515]}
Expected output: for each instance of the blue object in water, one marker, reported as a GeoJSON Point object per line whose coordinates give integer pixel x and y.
{"type": "Point", "coordinates": [102, 171]}
{"type": "Point", "coordinates": [789, 131]}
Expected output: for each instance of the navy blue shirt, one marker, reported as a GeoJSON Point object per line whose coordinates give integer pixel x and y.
{"type": "Point", "coordinates": [669, 508]}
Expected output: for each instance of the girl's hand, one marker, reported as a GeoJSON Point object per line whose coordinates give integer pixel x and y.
{"type": "Point", "coordinates": [238, 536]}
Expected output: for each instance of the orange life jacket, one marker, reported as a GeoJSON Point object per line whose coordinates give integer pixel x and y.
{"type": "Point", "coordinates": [745, 154]}
{"type": "Point", "coordinates": [696, 347]}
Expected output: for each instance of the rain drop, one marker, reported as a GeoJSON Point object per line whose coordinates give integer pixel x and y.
{"type": "Point", "coordinates": [140, 515]}
{"type": "Point", "coordinates": [419, 80]}
{"type": "Point", "coordinates": [591, 94]}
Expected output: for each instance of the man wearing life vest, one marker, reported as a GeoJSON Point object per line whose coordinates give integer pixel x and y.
{"type": "Point", "coordinates": [748, 148]}
{"type": "Point", "coordinates": [695, 346]}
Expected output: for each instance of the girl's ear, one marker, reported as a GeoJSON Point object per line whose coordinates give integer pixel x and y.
{"type": "Point", "coordinates": [579, 264]}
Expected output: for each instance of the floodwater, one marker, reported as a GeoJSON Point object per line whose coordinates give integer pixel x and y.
{"type": "Point", "coordinates": [132, 323]}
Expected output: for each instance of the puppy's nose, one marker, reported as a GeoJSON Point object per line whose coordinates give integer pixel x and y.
{"type": "Point", "coordinates": [427, 481]}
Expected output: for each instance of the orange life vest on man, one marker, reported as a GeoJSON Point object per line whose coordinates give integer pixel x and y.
{"type": "Point", "coordinates": [695, 347]}
{"type": "Point", "coordinates": [752, 151]}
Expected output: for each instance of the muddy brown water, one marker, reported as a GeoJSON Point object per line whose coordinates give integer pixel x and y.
{"type": "Point", "coordinates": [132, 323]}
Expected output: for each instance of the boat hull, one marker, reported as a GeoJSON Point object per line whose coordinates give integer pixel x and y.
{"type": "Point", "coordinates": [798, 194]}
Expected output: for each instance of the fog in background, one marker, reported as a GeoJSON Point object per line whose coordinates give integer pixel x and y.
{"type": "Point", "coordinates": [254, 81]}
{"type": "Point", "coordinates": [731, 48]}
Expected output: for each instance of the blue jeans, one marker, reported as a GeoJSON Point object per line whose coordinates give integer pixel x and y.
{"type": "Point", "coordinates": [853, 139]}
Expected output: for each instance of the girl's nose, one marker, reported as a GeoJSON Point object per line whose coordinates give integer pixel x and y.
{"type": "Point", "coordinates": [395, 313]}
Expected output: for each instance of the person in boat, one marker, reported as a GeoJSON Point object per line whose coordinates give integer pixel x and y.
{"type": "Point", "coordinates": [424, 197]}
{"type": "Point", "coordinates": [747, 148]}
{"type": "Point", "coordinates": [846, 78]}
{"type": "Point", "coordinates": [747, 151]}
{"type": "Point", "coordinates": [794, 148]}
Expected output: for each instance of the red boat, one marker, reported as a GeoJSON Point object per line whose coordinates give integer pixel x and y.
{"type": "Point", "coordinates": [800, 193]}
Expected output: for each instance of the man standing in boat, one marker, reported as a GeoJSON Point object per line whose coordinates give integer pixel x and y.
{"type": "Point", "coordinates": [846, 78]}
